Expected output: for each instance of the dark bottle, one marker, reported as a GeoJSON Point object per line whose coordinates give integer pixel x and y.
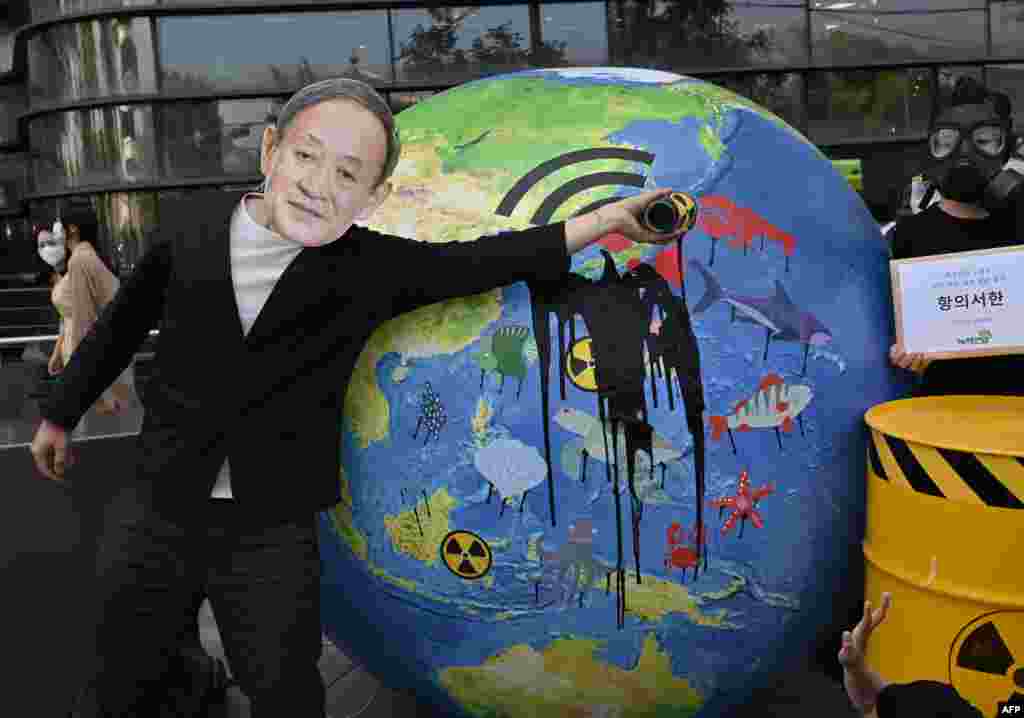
{"type": "Point", "coordinates": [670, 214]}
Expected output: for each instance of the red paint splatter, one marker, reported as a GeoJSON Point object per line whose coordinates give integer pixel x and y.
{"type": "Point", "coordinates": [719, 425]}
{"type": "Point", "coordinates": [667, 265]}
{"type": "Point", "coordinates": [716, 216]}
{"type": "Point", "coordinates": [720, 217]}
{"type": "Point", "coordinates": [615, 242]}
{"type": "Point", "coordinates": [749, 224]}
{"type": "Point", "coordinates": [787, 240]}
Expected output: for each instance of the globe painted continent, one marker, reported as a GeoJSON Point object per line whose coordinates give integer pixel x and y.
{"type": "Point", "coordinates": [643, 531]}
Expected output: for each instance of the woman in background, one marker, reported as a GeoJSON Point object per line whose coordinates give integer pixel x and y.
{"type": "Point", "coordinates": [86, 287]}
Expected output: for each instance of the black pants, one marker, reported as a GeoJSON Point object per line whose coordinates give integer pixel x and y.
{"type": "Point", "coordinates": [263, 584]}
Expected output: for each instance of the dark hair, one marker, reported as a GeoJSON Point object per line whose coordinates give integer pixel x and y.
{"type": "Point", "coordinates": [88, 230]}
{"type": "Point", "coordinates": [85, 219]}
{"type": "Point", "coordinates": [969, 91]}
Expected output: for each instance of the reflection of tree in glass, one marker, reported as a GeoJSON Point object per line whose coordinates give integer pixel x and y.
{"type": "Point", "coordinates": [127, 219]}
{"type": "Point", "coordinates": [500, 50]}
{"type": "Point", "coordinates": [128, 55]}
{"type": "Point", "coordinates": [858, 103]}
{"type": "Point", "coordinates": [90, 61]}
{"type": "Point", "coordinates": [868, 102]}
{"type": "Point", "coordinates": [65, 66]}
{"type": "Point", "coordinates": [779, 93]}
{"type": "Point", "coordinates": [431, 52]}
{"type": "Point", "coordinates": [184, 82]}
{"type": "Point", "coordinates": [192, 133]}
{"type": "Point", "coordinates": [102, 148]}
{"type": "Point", "coordinates": [303, 75]}
{"type": "Point", "coordinates": [680, 34]}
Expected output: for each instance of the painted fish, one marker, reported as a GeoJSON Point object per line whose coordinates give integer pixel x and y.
{"type": "Point", "coordinates": [778, 314]}
{"type": "Point", "coordinates": [510, 351]}
{"type": "Point", "coordinates": [774, 405]}
{"type": "Point", "coordinates": [589, 427]}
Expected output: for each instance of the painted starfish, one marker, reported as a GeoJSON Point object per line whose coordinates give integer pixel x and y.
{"type": "Point", "coordinates": [742, 504]}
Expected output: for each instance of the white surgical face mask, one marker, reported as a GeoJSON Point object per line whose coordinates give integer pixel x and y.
{"type": "Point", "coordinates": [52, 254]}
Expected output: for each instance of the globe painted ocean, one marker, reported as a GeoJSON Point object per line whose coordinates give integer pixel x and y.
{"type": "Point", "coordinates": [447, 572]}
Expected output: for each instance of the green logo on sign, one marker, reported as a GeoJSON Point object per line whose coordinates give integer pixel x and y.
{"type": "Point", "coordinates": [984, 336]}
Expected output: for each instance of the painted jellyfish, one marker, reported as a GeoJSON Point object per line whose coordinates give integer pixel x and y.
{"type": "Point", "coordinates": [511, 468]}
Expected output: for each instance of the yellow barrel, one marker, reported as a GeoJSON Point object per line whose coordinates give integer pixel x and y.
{"type": "Point", "coordinates": [945, 536]}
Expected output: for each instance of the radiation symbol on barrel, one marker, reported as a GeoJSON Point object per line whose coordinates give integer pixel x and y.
{"type": "Point", "coordinates": [579, 365]}
{"type": "Point", "coordinates": [986, 661]}
{"type": "Point", "coordinates": [466, 554]}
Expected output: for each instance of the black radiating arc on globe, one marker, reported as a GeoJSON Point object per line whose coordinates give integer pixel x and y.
{"type": "Point", "coordinates": [511, 199]}
{"type": "Point", "coordinates": [581, 184]}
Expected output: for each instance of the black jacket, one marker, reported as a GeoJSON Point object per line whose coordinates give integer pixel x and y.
{"type": "Point", "coordinates": [271, 400]}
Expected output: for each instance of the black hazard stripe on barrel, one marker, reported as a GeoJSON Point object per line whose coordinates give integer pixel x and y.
{"type": "Point", "coordinates": [912, 470]}
{"type": "Point", "coordinates": [875, 459]}
{"type": "Point", "coordinates": [981, 479]}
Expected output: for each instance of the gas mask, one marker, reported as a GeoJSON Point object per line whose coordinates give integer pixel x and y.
{"type": "Point", "coordinates": [1007, 187]}
{"type": "Point", "coordinates": [968, 147]}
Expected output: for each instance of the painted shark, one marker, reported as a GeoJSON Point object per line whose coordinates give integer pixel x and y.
{"type": "Point", "coordinates": [777, 314]}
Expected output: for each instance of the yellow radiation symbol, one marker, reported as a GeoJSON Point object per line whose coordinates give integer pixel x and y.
{"type": "Point", "coordinates": [986, 661]}
{"type": "Point", "coordinates": [466, 554]}
{"type": "Point", "coordinates": [579, 365]}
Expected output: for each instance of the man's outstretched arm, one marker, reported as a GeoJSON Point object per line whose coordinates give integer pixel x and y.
{"type": "Point", "coordinates": [426, 273]}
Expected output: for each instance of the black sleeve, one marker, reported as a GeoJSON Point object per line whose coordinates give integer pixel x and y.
{"type": "Point", "coordinates": [426, 272]}
{"type": "Point", "coordinates": [111, 344]}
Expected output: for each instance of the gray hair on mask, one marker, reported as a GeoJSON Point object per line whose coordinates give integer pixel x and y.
{"type": "Point", "coordinates": [342, 88]}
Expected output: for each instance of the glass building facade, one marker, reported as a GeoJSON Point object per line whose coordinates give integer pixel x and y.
{"type": "Point", "coordinates": [125, 102]}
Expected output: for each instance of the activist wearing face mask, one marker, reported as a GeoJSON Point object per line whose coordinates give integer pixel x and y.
{"type": "Point", "coordinates": [84, 289]}
{"type": "Point", "coordinates": [971, 161]}
{"type": "Point", "coordinates": [51, 249]}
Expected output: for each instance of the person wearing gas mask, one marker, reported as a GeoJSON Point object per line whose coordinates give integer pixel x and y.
{"type": "Point", "coordinates": [975, 165]}
{"type": "Point", "coordinates": [86, 286]}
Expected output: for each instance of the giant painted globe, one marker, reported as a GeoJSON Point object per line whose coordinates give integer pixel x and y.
{"type": "Point", "coordinates": [524, 471]}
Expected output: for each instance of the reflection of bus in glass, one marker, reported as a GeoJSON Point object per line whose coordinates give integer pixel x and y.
{"type": "Point", "coordinates": [851, 170]}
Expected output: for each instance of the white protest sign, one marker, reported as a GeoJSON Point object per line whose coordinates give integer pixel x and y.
{"type": "Point", "coordinates": [960, 305]}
